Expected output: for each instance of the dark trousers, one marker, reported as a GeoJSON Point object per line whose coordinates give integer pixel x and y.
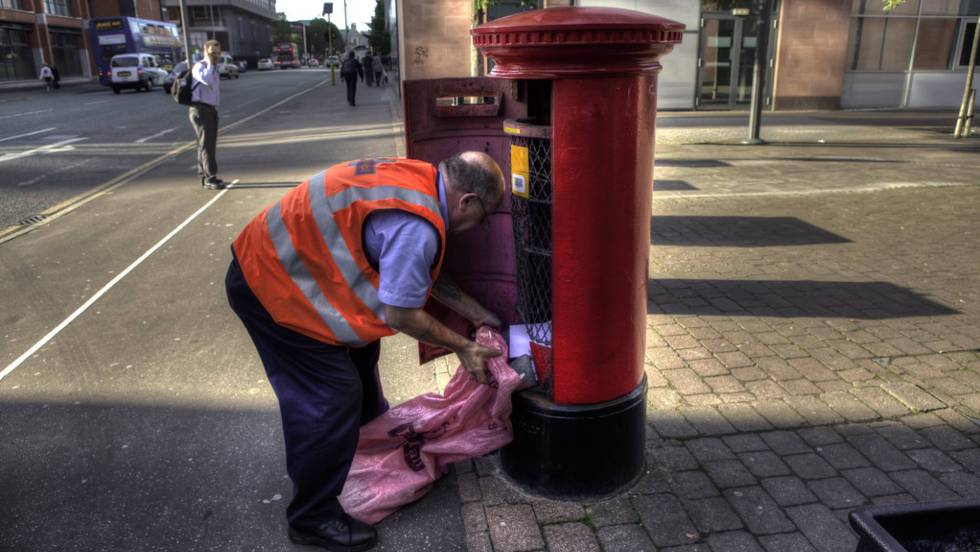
{"type": "Point", "coordinates": [351, 88]}
{"type": "Point", "coordinates": [325, 394]}
{"type": "Point", "coordinates": [204, 118]}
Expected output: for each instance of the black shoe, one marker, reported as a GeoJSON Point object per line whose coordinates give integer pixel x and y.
{"type": "Point", "coordinates": [213, 183]}
{"type": "Point", "coordinates": [340, 534]}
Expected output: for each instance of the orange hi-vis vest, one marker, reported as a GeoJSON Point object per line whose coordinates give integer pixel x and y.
{"type": "Point", "coordinates": [304, 259]}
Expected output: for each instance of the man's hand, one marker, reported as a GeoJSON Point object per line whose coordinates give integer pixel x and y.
{"type": "Point", "coordinates": [474, 359]}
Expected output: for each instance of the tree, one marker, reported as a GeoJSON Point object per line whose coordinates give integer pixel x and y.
{"type": "Point", "coordinates": [280, 29]}
{"type": "Point", "coordinates": [317, 36]}
{"type": "Point", "coordinates": [379, 38]}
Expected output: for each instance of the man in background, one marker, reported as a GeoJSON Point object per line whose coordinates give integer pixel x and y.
{"type": "Point", "coordinates": [203, 112]}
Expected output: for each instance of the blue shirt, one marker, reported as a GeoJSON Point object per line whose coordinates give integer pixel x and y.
{"type": "Point", "coordinates": [403, 247]}
{"type": "Point", "coordinates": [207, 83]}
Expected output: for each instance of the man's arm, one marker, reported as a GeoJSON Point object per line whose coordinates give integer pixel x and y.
{"type": "Point", "coordinates": [199, 71]}
{"type": "Point", "coordinates": [422, 326]}
{"type": "Point", "coordinates": [448, 293]}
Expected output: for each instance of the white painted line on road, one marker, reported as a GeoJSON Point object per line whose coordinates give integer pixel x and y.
{"type": "Point", "coordinates": [26, 134]}
{"type": "Point", "coordinates": [97, 102]}
{"type": "Point", "coordinates": [25, 113]}
{"type": "Point", "coordinates": [11, 156]}
{"type": "Point", "coordinates": [39, 178]}
{"type": "Point", "coordinates": [91, 300]}
{"type": "Point", "coordinates": [157, 135]}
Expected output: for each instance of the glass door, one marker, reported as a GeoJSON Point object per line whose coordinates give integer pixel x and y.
{"type": "Point", "coordinates": [717, 60]}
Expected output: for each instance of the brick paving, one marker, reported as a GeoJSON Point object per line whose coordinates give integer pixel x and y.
{"type": "Point", "coordinates": [813, 347]}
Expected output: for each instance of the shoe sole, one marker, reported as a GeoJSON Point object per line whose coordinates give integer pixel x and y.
{"type": "Point", "coordinates": [314, 541]}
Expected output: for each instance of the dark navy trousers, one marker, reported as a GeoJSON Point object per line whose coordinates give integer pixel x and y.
{"type": "Point", "coordinates": [325, 393]}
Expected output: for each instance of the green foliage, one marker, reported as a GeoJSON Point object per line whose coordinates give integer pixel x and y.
{"type": "Point", "coordinates": [317, 37]}
{"type": "Point", "coordinates": [379, 38]}
{"type": "Point", "coordinates": [890, 5]}
{"type": "Point", "coordinates": [281, 31]}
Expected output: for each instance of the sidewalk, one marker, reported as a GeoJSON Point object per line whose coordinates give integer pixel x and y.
{"type": "Point", "coordinates": [35, 84]}
{"type": "Point", "coordinates": [812, 345]}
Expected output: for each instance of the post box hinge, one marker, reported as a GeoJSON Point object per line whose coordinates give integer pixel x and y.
{"type": "Point", "coordinates": [702, 22]}
{"type": "Point", "coordinates": [700, 62]}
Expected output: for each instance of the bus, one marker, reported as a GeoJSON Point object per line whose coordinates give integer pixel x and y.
{"type": "Point", "coordinates": [286, 55]}
{"type": "Point", "coordinates": [131, 35]}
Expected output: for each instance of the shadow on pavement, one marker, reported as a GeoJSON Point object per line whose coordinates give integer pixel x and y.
{"type": "Point", "coordinates": [160, 477]}
{"type": "Point", "coordinates": [733, 231]}
{"type": "Point", "coordinates": [785, 298]}
{"type": "Point", "coordinates": [672, 185]}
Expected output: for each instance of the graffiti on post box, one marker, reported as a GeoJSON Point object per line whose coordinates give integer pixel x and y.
{"type": "Point", "coordinates": [421, 52]}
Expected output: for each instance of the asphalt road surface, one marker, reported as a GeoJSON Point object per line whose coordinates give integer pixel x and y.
{"type": "Point", "coordinates": [134, 414]}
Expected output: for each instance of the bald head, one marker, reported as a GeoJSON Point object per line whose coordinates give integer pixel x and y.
{"type": "Point", "coordinates": [473, 181]}
{"type": "Point", "coordinates": [477, 173]}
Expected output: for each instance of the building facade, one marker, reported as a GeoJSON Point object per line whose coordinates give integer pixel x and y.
{"type": "Point", "coordinates": [243, 27]}
{"type": "Point", "coordinates": [38, 32]}
{"type": "Point", "coordinates": [822, 54]}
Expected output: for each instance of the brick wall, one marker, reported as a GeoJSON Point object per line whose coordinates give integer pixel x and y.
{"type": "Point", "coordinates": [811, 54]}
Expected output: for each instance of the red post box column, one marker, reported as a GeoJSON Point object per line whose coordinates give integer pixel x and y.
{"type": "Point", "coordinates": [588, 76]}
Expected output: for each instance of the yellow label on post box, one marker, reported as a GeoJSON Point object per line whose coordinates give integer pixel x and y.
{"type": "Point", "coordinates": [520, 173]}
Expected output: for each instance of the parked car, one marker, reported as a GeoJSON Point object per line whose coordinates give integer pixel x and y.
{"type": "Point", "coordinates": [265, 64]}
{"type": "Point", "coordinates": [227, 67]}
{"type": "Point", "coordinates": [332, 61]}
{"type": "Point", "coordinates": [242, 66]}
{"type": "Point", "coordinates": [138, 71]}
{"type": "Point", "coordinates": [312, 62]}
{"type": "Point", "coordinates": [169, 81]}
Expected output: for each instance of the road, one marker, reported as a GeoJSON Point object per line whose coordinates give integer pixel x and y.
{"type": "Point", "coordinates": [134, 414]}
{"type": "Point", "coordinates": [58, 145]}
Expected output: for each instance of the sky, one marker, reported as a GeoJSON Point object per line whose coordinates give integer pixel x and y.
{"type": "Point", "coordinates": [358, 11]}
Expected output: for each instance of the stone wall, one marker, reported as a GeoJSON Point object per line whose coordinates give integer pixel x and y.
{"type": "Point", "coordinates": [435, 38]}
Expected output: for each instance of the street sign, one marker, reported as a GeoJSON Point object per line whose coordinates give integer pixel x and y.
{"type": "Point", "coordinates": [327, 8]}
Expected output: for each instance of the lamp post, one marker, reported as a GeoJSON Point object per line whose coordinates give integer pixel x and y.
{"type": "Point", "coordinates": [764, 8]}
{"type": "Point", "coordinates": [327, 10]}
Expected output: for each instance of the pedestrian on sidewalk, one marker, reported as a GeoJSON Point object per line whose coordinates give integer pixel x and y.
{"type": "Point", "coordinates": [47, 76]}
{"type": "Point", "coordinates": [205, 98]}
{"type": "Point", "coordinates": [349, 71]}
{"type": "Point", "coordinates": [377, 68]}
{"type": "Point", "coordinates": [368, 63]}
{"type": "Point", "coordinates": [342, 260]}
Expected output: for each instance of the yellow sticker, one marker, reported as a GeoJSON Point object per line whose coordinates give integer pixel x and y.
{"type": "Point", "coordinates": [520, 174]}
{"type": "Point", "coordinates": [512, 130]}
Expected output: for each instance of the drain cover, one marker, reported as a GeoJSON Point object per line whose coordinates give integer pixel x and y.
{"type": "Point", "coordinates": [32, 220]}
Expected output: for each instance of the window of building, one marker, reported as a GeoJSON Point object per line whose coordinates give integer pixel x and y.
{"type": "Point", "coordinates": [881, 41]}
{"type": "Point", "coordinates": [59, 7]}
{"type": "Point", "coordinates": [65, 47]}
{"type": "Point", "coordinates": [13, 5]}
{"type": "Point", "coordinates": [16, 57]}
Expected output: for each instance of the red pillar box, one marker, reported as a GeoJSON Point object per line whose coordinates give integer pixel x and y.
{"type": "Point", "coordinates": [581, 169]}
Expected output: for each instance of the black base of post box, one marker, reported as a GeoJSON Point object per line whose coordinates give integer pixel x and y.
{"type": "Point", "coordinates": [576, 451]}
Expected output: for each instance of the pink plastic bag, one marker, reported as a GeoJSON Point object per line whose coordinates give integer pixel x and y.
{"type": "Point", "coordinates": [403, 452]}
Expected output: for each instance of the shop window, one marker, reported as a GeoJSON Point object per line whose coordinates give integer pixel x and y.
{"type": "Point", "coordinates": [65, 47]}
{"type": "Point", "coordinates": [880, 43]}
{"type": "Point", "coordinates": [16, 57]}
{"type": "Point", "coordinates": [13, 5]}
{"type": "Point", "coordinates": [936, 45]}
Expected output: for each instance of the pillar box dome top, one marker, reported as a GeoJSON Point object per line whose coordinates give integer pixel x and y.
{"type": "Point", "coordinates": [576, 42]}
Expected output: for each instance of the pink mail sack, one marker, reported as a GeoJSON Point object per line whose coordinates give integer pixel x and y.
{"type": "Point", "coordinates": [403, 452]}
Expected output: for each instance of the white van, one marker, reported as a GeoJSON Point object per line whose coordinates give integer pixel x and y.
{"type": "Point", "coordinates": [227, 67]}
{"type": "Point", "coordinates": [139, 71]}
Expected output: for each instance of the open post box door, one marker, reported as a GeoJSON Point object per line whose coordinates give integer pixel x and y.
{"type": "Point", "coordinates": [444, 117]}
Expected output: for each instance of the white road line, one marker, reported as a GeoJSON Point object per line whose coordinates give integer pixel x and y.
{"type": "Point", "coordinates": [39, 178]}
{"type": "Point", "coordinates": [91, 300]}
{"type": "Point", "coordinates": [157, 135]}
{"type": "Point", "coordinates": [28, 153]}
{"type": "Point", "coordinates": [98, 102]}
{"type": "Point", "coordinates": [25, 113]}
{"type": "Point", "coordinates": [880, 187]}
{"type": "Point", "coordinates": [12, 156]}
{"type": "Point", "coordinates": [26, 134]}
